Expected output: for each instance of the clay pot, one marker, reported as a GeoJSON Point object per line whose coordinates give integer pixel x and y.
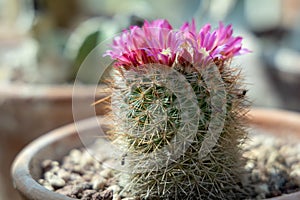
{"type": "Point", "coordinates": [27, 112]}
{"type": "Point", "coordinates": [26, 169]}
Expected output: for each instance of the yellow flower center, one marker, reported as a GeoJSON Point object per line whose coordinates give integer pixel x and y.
{"type": "Point", "coordinates": [166, 52]}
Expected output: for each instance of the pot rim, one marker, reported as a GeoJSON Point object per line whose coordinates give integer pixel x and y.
{"type": "Point", "coordinates": [22, 178]}
{"type": "Point", "coordinates": [20, 169]}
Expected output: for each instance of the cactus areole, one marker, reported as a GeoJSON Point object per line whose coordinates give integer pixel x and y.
{"type": "Point", "coordinates": [179, 108]}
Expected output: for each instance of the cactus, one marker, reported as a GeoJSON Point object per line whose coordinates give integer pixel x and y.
{"type": "Point", "coordinates": [179, 108]}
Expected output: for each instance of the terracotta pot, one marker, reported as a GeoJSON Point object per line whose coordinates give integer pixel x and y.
{"type": "Point", "coordinates": [28, 111]}
{"type": "Point", "coordinates": [26, 169]}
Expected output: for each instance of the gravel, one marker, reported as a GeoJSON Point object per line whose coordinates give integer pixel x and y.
{"type": "Point", "coordinates": [273, 165]}
{"type": "Point", "coordinates": [273, 169]}
{"type": "Point", "coordinates": [80, 176]}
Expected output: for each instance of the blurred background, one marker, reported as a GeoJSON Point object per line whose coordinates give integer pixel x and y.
{"type": "Point", "coordinates": [44, 42]}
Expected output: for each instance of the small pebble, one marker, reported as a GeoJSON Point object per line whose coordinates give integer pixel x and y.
{"type": "Point", "coordinates": [41, 181]}
{"type": "Point", "coordinates": [87, 177]}
{"type": "Point", "coordinates": [106, 173]}
{"type": "Point", "coordinates": [74, 176]}
{"type": "Point", "coordinates": [250, 165]}
{"type": "Point", "coordinates": [55, 181]}
{"type": "Point", "coordinates": [46, 164]}
{"type": "Point", "coordinates": [63, 174]}
{"type": "Point", "coordinates": [49, 187]}
{"type": "Point", "coordinates": [86, 159]}
{"type": "Point", "coordinates": [291, 160]}
{"type": "Point", "coordinates": [78, 169]}
{"type": "Point", "coordinates": [75, 155]}
{"type": "Point", "coordinates": [48, 175]}
{"type": "Point", "coordinates": [296, 175]}
{"type": "Point", "coordinates": [54, 163]}
{"type": "Point", "coordinates": [114, 188]}
{"type": "Point", "coordinates": [99, 183]}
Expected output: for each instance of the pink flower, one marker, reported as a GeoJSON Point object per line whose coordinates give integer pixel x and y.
{"type": "Point", "coordinates": [208, 46]}
{"type": "Point", "coordinates": [157, 42]}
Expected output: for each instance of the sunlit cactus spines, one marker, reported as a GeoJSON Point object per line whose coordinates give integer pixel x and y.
{"type": "Point", "coordinates": [179, 111]}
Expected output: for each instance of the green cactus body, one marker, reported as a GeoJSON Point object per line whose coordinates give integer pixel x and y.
{"type": "Point", "coordinates": [179, 111]}
{"type": "Point", "coordinates": [149, 117]}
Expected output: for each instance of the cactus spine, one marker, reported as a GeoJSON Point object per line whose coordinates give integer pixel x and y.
{"type": "Point", "coordinates": [153, 117]}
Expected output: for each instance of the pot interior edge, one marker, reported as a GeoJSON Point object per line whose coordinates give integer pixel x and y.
{"type": "Point", "coordinates": [52, 152]}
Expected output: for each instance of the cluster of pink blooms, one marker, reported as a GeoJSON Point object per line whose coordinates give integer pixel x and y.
{"type": "Point", "coordinates": [158, 42]}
